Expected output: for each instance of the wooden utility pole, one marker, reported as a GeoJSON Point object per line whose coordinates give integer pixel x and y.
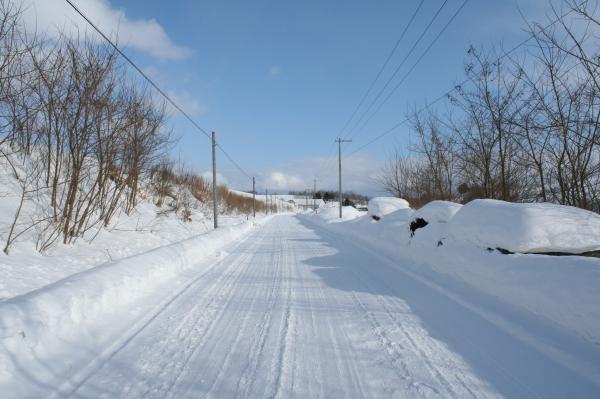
{"type": "Point", "coordinates": [314, 194]}
{"type": "Point", "coordinates": [339, 140]}
{"type": "Point", "coordinates": [253, 197]}
{"type": "Point", "coordinates": [266, 201]}
{"type": "Point", "coordinates": [214, 180]}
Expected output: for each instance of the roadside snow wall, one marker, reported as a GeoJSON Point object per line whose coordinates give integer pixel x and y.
{"type": "Point", "coordinates": [89, 295]}
{"type": "Point", "coordinates": [381, 206]}
{"type": "Point", "coordinates": [538, 227]}
{"type": "Point", "coordinates": [562, 289]}
{"type": "Point", "coordinates": [437, 211]}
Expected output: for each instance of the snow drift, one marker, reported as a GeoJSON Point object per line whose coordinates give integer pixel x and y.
{"type": "Point", "coordinates": [437, 211]}
{"type": "Point", "coordinates": [562, 289]}
{"type": "Point", "coordinates": [400, 216]}
{"type": "Point", "coordinates": [88, 295]}
{"type": "Point", "coordinates": [332, 214]}
{"type": "Point", "coordinates": [539, 227]}
{"type": "Point", "coordinates": [381, 206]}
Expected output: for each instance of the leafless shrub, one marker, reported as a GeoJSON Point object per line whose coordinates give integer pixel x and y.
{"type": "Point", "coordinates": [520, 129]}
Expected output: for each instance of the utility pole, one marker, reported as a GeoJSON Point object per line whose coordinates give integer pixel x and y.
{"type": "Point", "coordinates": [314, 194]}
{"type": "Point", "coordinates": [214, 182]}
{"type": "Point", "coordinates": [339, 140]}
{"type": "Point", "coordinates": [266, 201]}
{"type": "Point", "coordinates": [253, 197]}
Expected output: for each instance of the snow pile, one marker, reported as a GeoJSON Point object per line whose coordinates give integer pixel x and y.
{"type": "Point", "coordinates": [437, 211]}
{"type": "Point", "coordinates": [87, 296]}
{"type": "Point", "coordinates": [332, 214]}
{"type": "Point", "coordinates": [400, 216]}
{"type": "Point", "coordinates": [540, 227]}
{"type": "Point", "coordinates": [562, 289]}
{"type": "Point", "coordinates": [147, 227]}
{"type": "Point", "coordinates": [381, 206]}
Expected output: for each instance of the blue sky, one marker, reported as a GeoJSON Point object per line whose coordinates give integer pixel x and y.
{"type": "Point", "coordinates": [277, 80]}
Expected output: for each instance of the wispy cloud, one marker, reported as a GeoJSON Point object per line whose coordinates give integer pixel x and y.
{"type": "Point", "coordinates": [359, 174]}
{"type": "Point", "coordinates": [187, 102]}
{"type": "Point", "coordinates": [274, 71]}
{"type": "Point", "coordinates": [284, 181]}
{"type": "Point", "coordinates": [146, 35]}
{"type": "Point", "coordinates": [221, 180]}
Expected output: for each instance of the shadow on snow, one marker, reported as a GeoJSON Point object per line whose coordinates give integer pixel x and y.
{"type": "Point", "coordinates": [513, 365]}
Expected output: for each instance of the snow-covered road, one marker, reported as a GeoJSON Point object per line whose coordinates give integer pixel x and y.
{"type": "Point", "coordinates": [297, 311]}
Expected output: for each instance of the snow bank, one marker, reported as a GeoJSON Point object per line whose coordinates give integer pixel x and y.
{"type": "Point", "coordinates": [332, 214]}
{"type": "Point", "coordinates": [540, 227]}
{"type": "Point", "coordinates": [562, 289]}
{"type": "Point", "coordinates": [399, 216]}
{"type": "Point", "coordinates": [381, 206]}
{"type": "Point", "coordinates": [437, 211]}
{"type": "Point", "coordinates": [88, 295]}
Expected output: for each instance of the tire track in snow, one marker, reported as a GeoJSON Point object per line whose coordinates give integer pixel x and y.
{"type": "Point", "coordinates": [281, 365]}
{"type": "Point", "coordinates": [157, 376]}
{"type": "Point", "coordinates": [308, 333]}
{"type": "Point", "coordinates": [390, 348]}
{"type": "Point", "coordinates": [199, 330]}
{"type": "Point", "coordinates": [260, 338]}
{"type": "Point", "coordinates": [393, 348]}
{"type": "Point", "coordinates": [502, 324]}
{"type": "Point", "coordinates": [246, 381]}
{"type": "Point", "coordinates": [334, 342]}
{"type": "Point", "coordinates": [416, 348]}
{"type": "Point", "coordinates": [433, 346]}
{"type": "Point", "coordinates": [221, 327]}
{"type": "Point", "coordinates": [469, 306]}
{"type": "Point", "coordinates": [137, 330]}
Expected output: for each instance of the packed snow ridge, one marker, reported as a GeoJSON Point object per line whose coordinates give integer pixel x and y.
{"type": "Point", "coordinates": [469, 243]}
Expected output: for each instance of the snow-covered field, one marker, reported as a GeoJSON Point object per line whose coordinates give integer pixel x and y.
{"type": "Point", "coordinates": [309, 305]}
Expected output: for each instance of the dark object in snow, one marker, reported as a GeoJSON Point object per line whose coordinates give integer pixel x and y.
{"type": "Point", "coordinates": [440, 243]}
{"type": "Point", "coordinates": [376, 218]}
{"type": "Point", "coordinates": [589, 254]}
{"type": "Point", "coordinates": [417, 224]}
{"type": "Point", "coordinates": [501, 250]}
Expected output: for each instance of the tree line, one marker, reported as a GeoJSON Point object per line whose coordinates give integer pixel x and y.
{"type": "Point", "coordinates": [82, 137]}
{"type": "Point", "coordinates": [522, 128]}
{"type": "Point", "coordinates": [329, 195]}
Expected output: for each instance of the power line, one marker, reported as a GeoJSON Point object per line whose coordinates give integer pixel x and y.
{"type": "Point", "coordinates": [456, 87]}
{"type": "Point", "coordinates": [387, 83]}
{"type": "Point", "coordinates": [431, 44]}
{"type": "Point", "coordinates": [329, 159]}
{"type": "Point", "coordinates": [158, 89]}
{"type": "Point", "coordinates": [403, 79]}
{"type": "Point", "coordinates": [385, 63]}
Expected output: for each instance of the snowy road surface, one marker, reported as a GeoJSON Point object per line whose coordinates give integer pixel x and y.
{"type": "Point", "coordinates": [299, 312]}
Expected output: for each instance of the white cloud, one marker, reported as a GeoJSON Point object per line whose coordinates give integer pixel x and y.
{"type": "Point", "coordinates": [146, 35]}
{"type": "Point", "coordinates": [274, 71]}
{"type": "Point", "coordinates": [359, 173]}
{"type": "Point", "coordinates": [187, 102]}
{"type": "Point", "coordinates": [281, 180]}
{"type": "Point", "coordinates": [151, 71]}
{"type": "Point", "coordinates": [221, 180]}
